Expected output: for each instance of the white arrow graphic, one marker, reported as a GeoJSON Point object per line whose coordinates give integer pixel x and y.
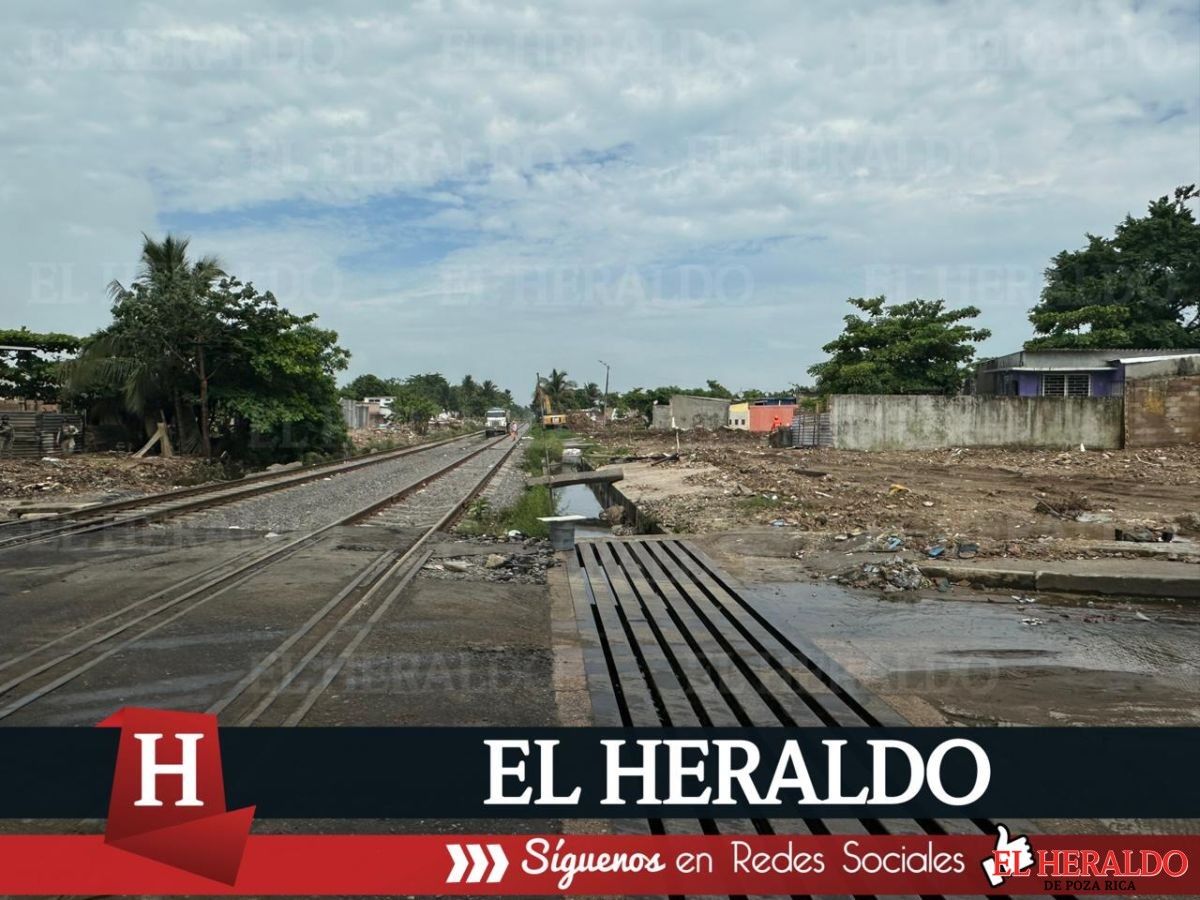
{"type": "Point", "coordinates": [475, 856]}
{"type": "Point", "coordinates": [460, 863]}
{"type": "Point", "coordinates": [499, 861]}
{"type": "Point", "coordinates": [479, 858]}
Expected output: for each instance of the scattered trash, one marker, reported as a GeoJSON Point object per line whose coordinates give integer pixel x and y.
{"type": "Point", "coordinates": [966, 550]}
{"type": "Point", "coordinates": [515, 535]}
{"type": "Point", "coordinates": [1142, 616]}
{"type": "Point", "coordinates": [1136, 535]}
{"type": "Point", "coordinates": [942, 584]}
{"type": "Point", "coordinates": [897, 489]}
{"type": "Point", "coordinates": [1032, 620]}
{"type": "Point", "coordinates": [1067, 507]}
{"type": "Point", "coordinates": [495, 561]}
{"type": "Point", "coordinates": [456, 565]}
{"type": "Point", "coordinates": [935, 552]}
{"type": "Point", "coordinates": [778, 523]}
{"type": "Point", "coordinates": [1021, 598]}
{"type": "Point", "coordinates": [927, 503]}
{"type": "Point", "coordinates": [891, 576]}
{"type": "Point", "coordinates": [272, 534]}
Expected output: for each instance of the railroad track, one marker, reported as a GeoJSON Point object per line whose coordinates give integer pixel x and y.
{"type": "Point", "coordinates": [669, 640]}
{"type": "Point", "coordinates": [156, 507]}
{"type": "Point", "coordinates": [325, 641]}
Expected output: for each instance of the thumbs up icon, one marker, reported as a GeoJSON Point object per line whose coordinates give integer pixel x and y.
{"type": "Point", "coordinates": [1012, 856]}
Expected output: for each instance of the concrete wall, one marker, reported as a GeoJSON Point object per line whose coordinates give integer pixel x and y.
{"type": "Point", "coordinates": [692, 412]}
{"type": "Point", "coordinates": [1162, 411]}
{"type": "Point", "coordinates": [761, 417]}
{"type": "Point", "coordinates": [1154, 368]}
{"type": "Point", "coordinates": [882, 422]}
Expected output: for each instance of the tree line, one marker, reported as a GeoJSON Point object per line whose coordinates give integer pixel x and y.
{"type": "Point", "coordinates": [229, 370]}
{"type": "Point", "coordinates": [566, 396]}
{"type": "Point", "coordinates": [418, 397]}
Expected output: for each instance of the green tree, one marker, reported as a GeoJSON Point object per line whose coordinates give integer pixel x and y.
{"type": "Point", "coordinates": [195, 347]}
{"type": "Point", "coordinates": [368, 385]}
{"type": "Point", "coordinates": [434, 387]}
{"type": "Point", "coordinates": [559, 389]}
{"type": "Point", "coordinates": [718, 390]}
{"type": "Point", "coordinates": [168, 321]}
{"type": "Point", "coordinates": [278, 396]}
{"type": "Point", "coordinates": [1139, 288]}
{"type": "Point", "coordinates": [919, 347]}
{"type": "Point", "coordinates": [29, 363]}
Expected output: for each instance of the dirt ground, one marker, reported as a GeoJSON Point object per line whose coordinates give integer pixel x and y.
{"type": "Point", "coordinates": [94, 476]}
{"type": "Point", "coordinates": [1011, 502]}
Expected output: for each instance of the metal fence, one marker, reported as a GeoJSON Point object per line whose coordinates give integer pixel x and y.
{"type": "Point", "coordinates": [811, 430]}
{"type": "Point", "coordinates": [38, 434]}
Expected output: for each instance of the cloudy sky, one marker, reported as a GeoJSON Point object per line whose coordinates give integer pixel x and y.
{"type": "Point", "coordinates": [685, 190]}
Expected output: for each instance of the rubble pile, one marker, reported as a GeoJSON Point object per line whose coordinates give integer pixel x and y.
{"type": "Point", "coordinates": [526, 564]}
{"type": "Point", "coordinates": [96, 476]}
{"type": "Point", "coordinates": [898, 575]}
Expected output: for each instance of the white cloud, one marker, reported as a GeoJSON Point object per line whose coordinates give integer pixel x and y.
{"type": "Point", "coordinates": [430, 178]}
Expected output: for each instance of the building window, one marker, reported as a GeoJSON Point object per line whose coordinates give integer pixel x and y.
{"type": "Point", "coordinates": [1072, 385]}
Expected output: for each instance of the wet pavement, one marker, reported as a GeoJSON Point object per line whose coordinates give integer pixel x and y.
{"type": "Point", "coordinates": [996, 660]}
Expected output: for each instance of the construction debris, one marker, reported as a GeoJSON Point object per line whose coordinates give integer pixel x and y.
{"type": "Point", "coordinates": [98, 476]}
{"type": "Point", "coordinates": [969, 502]}
{"type": "Point", "coordinates": [893, 576]}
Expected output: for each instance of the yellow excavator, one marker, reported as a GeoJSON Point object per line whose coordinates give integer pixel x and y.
{"type": "Point", "coordinates": [550, 418]}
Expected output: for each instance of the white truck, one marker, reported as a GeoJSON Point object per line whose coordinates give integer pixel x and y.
{"type": "Point", "coordinates": [495, 422]}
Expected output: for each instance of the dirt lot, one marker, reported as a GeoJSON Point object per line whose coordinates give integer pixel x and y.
{"type": "Point", "coordinates": [94, 476]}
{"type": "Point", "coordinates": [1011, 502]}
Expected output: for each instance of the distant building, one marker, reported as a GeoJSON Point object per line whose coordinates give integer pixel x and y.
{"type": "Point", "coordinates": [1068, 373]}
{"type": "Point", "coordinates": [739, 416]}
{"type": "Point", "coordinates": [764, 412]}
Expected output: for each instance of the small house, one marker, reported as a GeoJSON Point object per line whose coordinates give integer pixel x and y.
{"type": "Point", "coordinates": [1065, 372]}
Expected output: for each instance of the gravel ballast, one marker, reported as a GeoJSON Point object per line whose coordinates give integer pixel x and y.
{"type": "Point", "coordinates": [308, 506]}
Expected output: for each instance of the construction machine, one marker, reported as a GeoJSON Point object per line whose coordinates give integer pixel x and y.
{"type": "Point", "coordinates": [550, 418]}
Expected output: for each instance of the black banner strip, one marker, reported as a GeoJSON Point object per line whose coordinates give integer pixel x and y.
{"type": "Point", "coordinates": [444, 772]}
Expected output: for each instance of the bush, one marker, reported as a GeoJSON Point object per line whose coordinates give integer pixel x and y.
{"type": "Point", "coordinates": [544, 445]}
{"type": "Point", "coordinates": [522, 515]}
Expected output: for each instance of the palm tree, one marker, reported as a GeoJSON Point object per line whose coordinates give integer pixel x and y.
{"type": "Point", "coordinates": [558, 388]}
{"type": "Point", "coordinates": [165, 262]}
{"type": "Point", "coordinates": [165, 274]}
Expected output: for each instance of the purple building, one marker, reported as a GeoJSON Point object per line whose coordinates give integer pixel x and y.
{"type": "Point", "coordinates": [1063, 373]}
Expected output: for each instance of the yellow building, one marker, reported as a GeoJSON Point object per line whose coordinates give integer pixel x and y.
{"type": "Point", "coordinates": [739, 416]}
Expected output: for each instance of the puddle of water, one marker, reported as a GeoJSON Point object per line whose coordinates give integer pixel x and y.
{"type": "Point", "coordinates": [578, 500]}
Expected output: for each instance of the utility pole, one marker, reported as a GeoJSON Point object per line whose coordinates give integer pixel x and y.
{"type": "Point", "coordinates": [604, 399]}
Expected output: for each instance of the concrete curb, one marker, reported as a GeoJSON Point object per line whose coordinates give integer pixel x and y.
{"type": "Point", "coordinates": [1169, 586]}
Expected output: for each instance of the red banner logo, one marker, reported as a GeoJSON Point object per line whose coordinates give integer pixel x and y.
{"type": "Point", "coordinates": [168, 794]}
